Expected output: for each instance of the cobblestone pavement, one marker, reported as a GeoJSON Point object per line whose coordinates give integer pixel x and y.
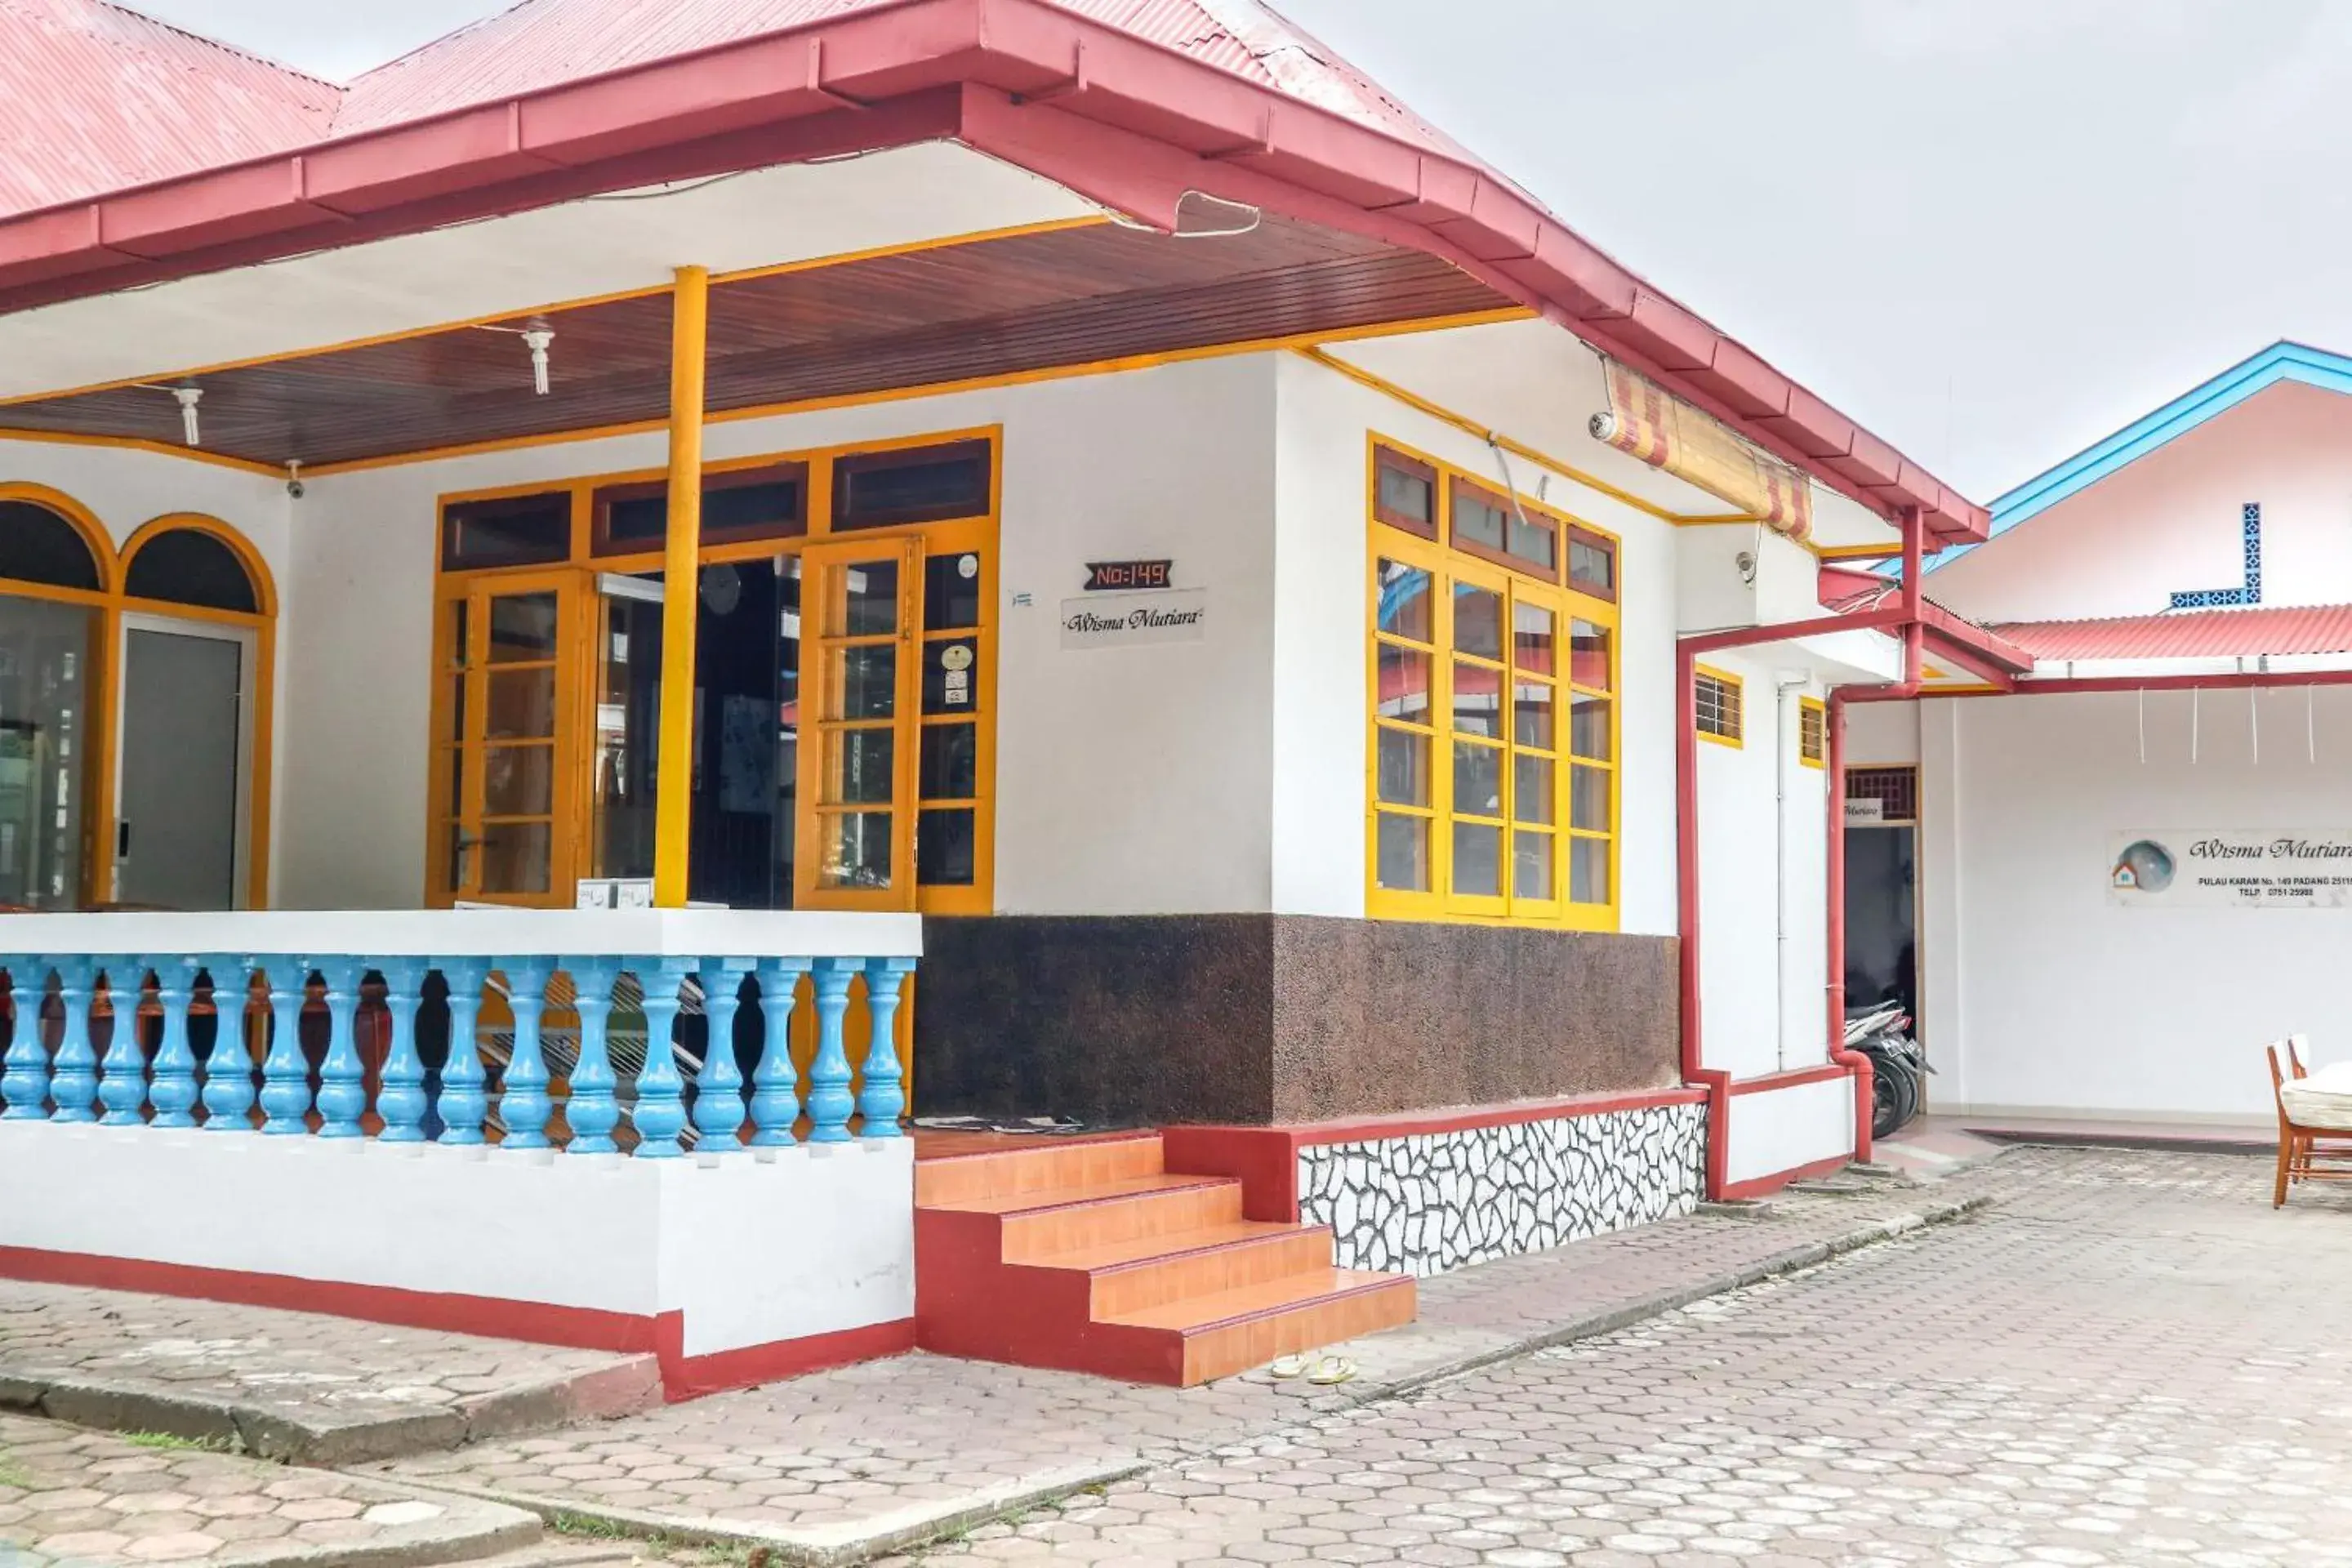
{"type": "Point", "coordinates": [2130, 1361]}
{"type": "Point", "coordinates": [289, 1384]}
{"type": "Point", "coordinates": [72, 1496]}
{"type": "Point", "coordinates": [870, 1457]}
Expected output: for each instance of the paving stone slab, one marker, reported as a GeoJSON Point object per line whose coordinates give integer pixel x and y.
{"type": "Point", "coordinates": [847, 1465]}
{"type": "Point", "coordinates": [69, 1496]}
{"type": "Point", "coordinates": [296, 1387]}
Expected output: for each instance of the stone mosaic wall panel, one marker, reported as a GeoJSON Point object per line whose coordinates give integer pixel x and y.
{"type": "Point", "coordinates": [1434, 1202]}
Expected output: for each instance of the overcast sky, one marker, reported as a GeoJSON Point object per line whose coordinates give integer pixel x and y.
{"type": "Point", "coordinates": [1991, 230]}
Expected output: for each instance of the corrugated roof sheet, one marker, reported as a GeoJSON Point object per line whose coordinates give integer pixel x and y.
{"type": "Point", "coordinates": [98, 98]}
{"type": "Point", "coordinates": [101, 98]}
{"type": "Point", "coordinates": [2192, 634]}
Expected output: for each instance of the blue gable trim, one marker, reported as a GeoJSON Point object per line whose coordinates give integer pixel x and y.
{"type": "Point", "coordinates": [2280, 362]}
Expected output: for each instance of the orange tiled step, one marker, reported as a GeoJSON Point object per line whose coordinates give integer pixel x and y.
{"type": "Point", "coordinates": [1233, 1331]}
{"type": "Point", "coordinates": [1095, 1257]}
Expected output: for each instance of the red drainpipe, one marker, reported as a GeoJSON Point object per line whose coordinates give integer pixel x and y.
{"type": "Point", "coordinates": [1686, 654]}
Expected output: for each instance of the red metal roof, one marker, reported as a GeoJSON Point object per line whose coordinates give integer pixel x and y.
{"type": "Point", "coordinates": [2191, 634]}
{"type": "Point", "coordinates": [1129, 102]}
{"type": "Point", "coordinates": [98, 98]}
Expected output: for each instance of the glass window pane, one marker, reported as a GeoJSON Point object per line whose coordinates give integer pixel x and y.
{"type": "Point", "coordinates": [1404, 853]}
{"type": "Point", "coordinates": [522, 628]}
{"type": "Point", "coordinates": [854, 849]}
{"type": "Point", "coordinates": [455, 764]}
{"type": "Point", "coordinates": [459, 650]}
{"type": "Point", "coordinates": [1588, 870]}
{"type": "Point", "coordinates": [1404, 768]}
{"type": "Point", "coordinates": [1588, 655]}
{"type": "Point", "coordinates": [951, 590]}
{"type": "Point", "coordinates": [1588, 805]}
{"type": "Point", "coordinates": [1591, 565]}
{"type": "Point", "coordinates": [1477, 860]}
{"type": "Point", "coordinates": [1477, 701]}
{"type": "Point", "coordinates": [516, 857]}
{"type": "Point", "coordinates": [773, 507]}
{"type": "Point", "coordinates": [864, 600]}
{"type": "Point", "coordinates": [1531, 867]}
{"type": "Point", "coordinates": [950, 762]}
{"type": "Point", "coordinates": [518, 781]}
{"type": "Point", "coordinates": [1409, 495]}
{"type": "Point", "coordinates": [883, 489]}
{"type": "Point", "coordinates": [857, 767]}
{"type": "Point", "coordinates": [944, 848]}
{"type": "Point", "coordinates": [1478, 621]}
{"type": "Point", "coordinates": [1401, 604]}
{"type": "Point", "coordinates": [37, 545]}
{"type": "Point", "coordinates": [1533, 630]}
{"type": "Point", "coordinates": [1533, 540]}
{"type": "Point", "coordinates": [1404, 685]}
{"type": "Point", "coordinates": [1534, 790]}
{"type": "Point", "coordinates": [1475, 522]}
{"type": "Point", "coordinates": [454, 835]}
{"type": "Point", "coordinates": [1588, 728]}
{"type": "Point", "coordinates": [45, 659]}
{"type": "Point", "coordinates": [951, 675]}
{"type": "Point", "coordinates": [189, 566]}
{"type": "Point", "coordinates": [457, 709]}
{"type": "Point", "coordinates": [519, 530]}
{"type": "Point", "coordinates": [1477, 779]}
{"type": "Point", "coordinates": [1533, 709]}
{"type": "Point", "coordinates": [522, 704]}
{"type": "Point", "coordinates": [868, 687]}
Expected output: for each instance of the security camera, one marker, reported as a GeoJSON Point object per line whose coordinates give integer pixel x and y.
{"type": "Point", "coordinates": [294, 489]}
{"type": "Point", "coordinates": [294, 478]}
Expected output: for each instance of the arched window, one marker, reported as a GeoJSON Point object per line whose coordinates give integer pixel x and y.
{"type": "Point", "coordinates": [37, 545]}
{"type": "Point", "coordinates": [190, 566]}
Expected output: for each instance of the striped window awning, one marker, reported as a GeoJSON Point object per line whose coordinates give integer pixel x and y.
{"type": "Point", "coordinates": [1647, 421]}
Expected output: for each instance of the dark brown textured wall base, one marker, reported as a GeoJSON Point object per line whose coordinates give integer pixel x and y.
{"type": "Point", "coordinates": [1146, 1020]}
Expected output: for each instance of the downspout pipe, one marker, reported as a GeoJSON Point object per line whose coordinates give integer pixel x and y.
{"type": "Point", "coordinates": [1688, 652]}
{"type": "Point", "coordinates": [1914, 650]}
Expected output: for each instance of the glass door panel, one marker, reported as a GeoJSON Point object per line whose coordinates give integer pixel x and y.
{"type": "Point", "coordinates": [502, 806]}
{"type": "Point", "coordinates": [44, 663]}
{"type": "Point", "coordinates": [859, 652]}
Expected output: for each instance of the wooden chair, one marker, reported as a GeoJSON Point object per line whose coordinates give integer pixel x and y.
{"type": "Point", "coordinates": [2305, 1153]}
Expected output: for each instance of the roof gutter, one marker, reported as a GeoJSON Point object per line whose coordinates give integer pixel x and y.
{"type": "Point", "coordinates": [1128, 122]}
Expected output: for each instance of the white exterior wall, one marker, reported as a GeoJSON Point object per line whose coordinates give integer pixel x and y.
{"type": "Point", "coordinates": [1882, 734]}
{"type": "Point", "coordinates": [124, 487]}
{"type": "Point", "coordinates": [751, 1250]}
{"type": "Point", "coordinates": [1763, 890]}
{"type": "Point", "coordinates": [1777, 1131]}
{"type": "Point", "coordinates": [1129, 781]}
{"type": "Point", "coordinates": [2041, 994]}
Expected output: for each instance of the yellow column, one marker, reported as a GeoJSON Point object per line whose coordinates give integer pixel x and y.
{"type": "Point", "coordinates": [674, 786]}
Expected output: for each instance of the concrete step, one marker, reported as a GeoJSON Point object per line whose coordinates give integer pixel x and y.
{"type": "Point", "coordinates": [300, 1388]}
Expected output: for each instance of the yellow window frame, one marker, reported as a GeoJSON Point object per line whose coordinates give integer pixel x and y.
{"type": "Point", "coordinates": [1812, 732]}
{"type": "Point", "coordinates": [1733, 705]}
{"type": "Point", "coordinates": [1450, 571]}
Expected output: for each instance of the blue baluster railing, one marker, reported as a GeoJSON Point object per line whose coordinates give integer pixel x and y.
{"type": "Point", "coordinates": [718, 1085]}
{"type": "Point", "coordinates": [173, 1089]}
{"type": "Point", "coordinates": [776, 1082]}
{"type": "Point", "coordinates": [25, 1071]}
{"type": "Point", "coordinates": [464, 1100]}
{"type": "Point", "coordinates": [73, 1074]}
{"type": "Point", "coordinates": [228, 1071]}
{"type": "Point", "coordinates": [400, 1096]}
{"type": "Point", "coordinates": [882, 1097]}
{"type": "Point", "coordinates": [524, 1106]}
{"type": "Point", "coordinates": [593, 1110]}
{"type": "Point", "coordinates": [660, 1110]}
{"type": "Point", "coordinates": [342, 1078]}
{"type": "Point", "coordinates": [61, 1068]}
{"type": "Point", "coordinates": [124, 1087]}
{"type": "Point", "coordinates": [286, 1071]}
{"type": "Point", "coordinates": [829, 1104]}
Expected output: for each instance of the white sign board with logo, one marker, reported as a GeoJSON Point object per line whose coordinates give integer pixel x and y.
{"type": "Point", "coordinates": [1132, 620]}
{"type": "Point", "coordinates": [2202, 868]}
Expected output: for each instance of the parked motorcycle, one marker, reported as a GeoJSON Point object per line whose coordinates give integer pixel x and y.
{"type": "Point", "coordinates": [1881, 1031]}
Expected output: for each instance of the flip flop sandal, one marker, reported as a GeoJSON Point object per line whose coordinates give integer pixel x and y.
{"type": "Point", "coordinates": [1332, 1370]}
{"type": "Point", "coordinates": [1291, 1365]}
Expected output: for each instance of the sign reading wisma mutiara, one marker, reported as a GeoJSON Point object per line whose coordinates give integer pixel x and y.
{"type": "Point", "coordinates": [2206, 870]}
{"type": "Point", "coordinates": [1114, 615]}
